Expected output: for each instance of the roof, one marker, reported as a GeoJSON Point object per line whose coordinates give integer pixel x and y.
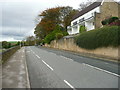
{"type": "Point", "coordinates": [87, 9]}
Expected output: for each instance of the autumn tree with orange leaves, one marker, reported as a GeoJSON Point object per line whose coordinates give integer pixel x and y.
{"type": "Point", "coordinates": [53, 17]}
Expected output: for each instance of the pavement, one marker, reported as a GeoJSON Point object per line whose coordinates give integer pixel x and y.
{"type": "Point", "coordinates": [14, 71]}
{"type": "Point", "coordinates": [55, 69]}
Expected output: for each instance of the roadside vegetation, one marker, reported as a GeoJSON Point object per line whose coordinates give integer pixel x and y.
{"type": "Point", "coordinates": [102, 37]}
{"type": "Point", "coordinates": [53, 24]}
{"type": "Point", "coordinates": [108, 35]}
{"type": "Point", "coordinates": [7, 45]}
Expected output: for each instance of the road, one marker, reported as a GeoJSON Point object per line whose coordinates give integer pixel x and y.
{"type": "Point", "coordinates": [50, 68]}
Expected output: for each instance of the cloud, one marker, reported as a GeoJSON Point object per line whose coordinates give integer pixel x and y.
{"type": "Point", "coordinates": [18, 16]}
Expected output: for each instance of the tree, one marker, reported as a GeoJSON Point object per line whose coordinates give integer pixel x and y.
{"type": "Point", "coordinates": [85, 4]}
{"type": "Point", "coordinates": [66, 15]}
{"type": "Point", "coordinates": [30, 40]}
{"type": "Point", "coordinates": [6, 44]}
{"type": "Point", "coordinates": [52, 17]}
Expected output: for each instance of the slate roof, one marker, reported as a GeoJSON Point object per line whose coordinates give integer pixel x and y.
{"type": "Point", "coordinates": [87, 9]}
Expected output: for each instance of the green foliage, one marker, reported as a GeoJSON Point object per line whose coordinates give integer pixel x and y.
{"type": "Point", "coordinates": [82, 29]}
{"type": "Point", "coordinates": [9, 44]}
{"type": "Point", "coordinates": [49, 38]}
{"type": "Point", "coordinates": [102, 37]}
{"type": "Point", "coordinates": [52, 36]}
{"type": "Point", "coordinates": [109, 20]}
{"type": "Point", "coordinates": [59, 35]}
{"type": "Point", "coordinates": [52, 17]}
{"type": "Point", "coordinates": [6, 44]}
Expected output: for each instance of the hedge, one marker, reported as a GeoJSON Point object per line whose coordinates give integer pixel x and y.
{"type": "Point", "coordinates": [102, 37]}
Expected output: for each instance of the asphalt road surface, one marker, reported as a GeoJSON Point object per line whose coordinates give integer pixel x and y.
{"type": "Point", "coordinates": [49, 68]}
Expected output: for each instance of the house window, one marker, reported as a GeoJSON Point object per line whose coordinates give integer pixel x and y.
{"type": "Point", "coordinates": [75, 23]}
{"type": "Point", "coordinates": [81, 20]}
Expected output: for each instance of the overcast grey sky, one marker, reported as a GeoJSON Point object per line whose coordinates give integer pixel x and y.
{"type": "Point", "coordinates": [18, 16]}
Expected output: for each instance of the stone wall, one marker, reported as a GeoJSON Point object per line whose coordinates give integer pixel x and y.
{"type": "Point", "coordinates": [68, 44]}
{"type": "Point", "coordinates": [108, 9]}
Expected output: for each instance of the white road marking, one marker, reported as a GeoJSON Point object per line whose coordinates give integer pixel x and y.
{"type": "Point", "coordinates": [101, 70]}
{"type": "Point", "coordinates": [22, 56]}
{"type": "Point", "coordinates": [14, 56]}
{"type": "Point", "coordinates": [54, 53]}
{"type": "Point", "coordinates": [106, 63]}
{"type": "Point", "coordinates": [69, 84]}
{"type": "Point", "coordinates": [37, 56]}
{"type": "Point", "coordinates": [66, 58]}
{"type": "Point", "coordinates": [28, 51]}
{"type": "Point", "coordinates": [47, 65]}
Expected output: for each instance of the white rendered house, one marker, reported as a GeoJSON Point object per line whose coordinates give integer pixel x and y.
{"type": "Point", "coordinates": [91, 16]}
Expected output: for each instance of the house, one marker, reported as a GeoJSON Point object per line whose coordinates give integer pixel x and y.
{"type": "Point", "coordinates": [91, 16]}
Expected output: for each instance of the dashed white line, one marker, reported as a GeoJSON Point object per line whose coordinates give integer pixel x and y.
{"type": "Point", "coordinates": [14, 56]}
{"type": "Point", "coordinates": [28, 51]}
{"type": "Point", "coordinates": [54, 53]}
{"type": "Point", "coordinates": [69, 84]}
{"type": "Point", "coordinates": [106, 63]}
{"type": "Point", "coordinates": [101, 70]}
{"type": "Point", "coordinates": [37, 56]}
{"type": "Point", "coordinates": [47, 65]}
{"type": "Point", "coordinates": [66, 58]}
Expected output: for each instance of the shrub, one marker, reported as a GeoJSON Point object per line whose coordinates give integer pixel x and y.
{"type": "Point", "coordinates": [117, 23]}
{"type": "Point", "coordinates": [82, 29]}
{"type": "Point", "coordinates": [6, 44]}
{"type": "Point", "coordinates": [49, 38]}
{"type": "Point", "coordinates": [112, 19]}
{"type": "Point", "coordinates": [55, 34]}
{"type": "Point", "coordinates": [104, 22]}
{"type": "Point", "coordinates": [59, 35]}
{"type": "Point", "coordinates": [102, 37]}
{"type": "Point", "coordinates": [109, 20]}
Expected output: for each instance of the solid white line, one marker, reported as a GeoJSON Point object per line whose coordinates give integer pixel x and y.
{"type": "Point", "coordinates": [69, 84]}
{"type": "Point", "coordinates": [37, 56]}
{"type": "Point", "coordinates": [102, 70]}
{"type": "Point", "coordinates": [47, 65]}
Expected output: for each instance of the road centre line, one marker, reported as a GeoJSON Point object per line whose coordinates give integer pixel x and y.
{"type": "Point", "coordinates": [47, 65]}
{"type": "Point", "coordinates": [37, 56]}
{"type": "Point", "coordinates": [67, 58]}
{"type": "Point", "coordinates": [101, 69]}
{"type": "Point", "coordinates": [69, 84]}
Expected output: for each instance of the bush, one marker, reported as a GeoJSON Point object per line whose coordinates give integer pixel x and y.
{"type": "Point", "coordinates": [59, 35]}
{"type": "Point", "coordinates": [117, 23]}
{"type": "Point", "coordinates": [6, 44]}
{"type": "Point", "coordinates": [104, 22]}
{"type": "Point", "coordinates": [109, 20]}
{"type": "Point", "coordinates": [102, 37]}
{"type": "Point", "coordinates": [49, 38]}
{"type": "Point", "coordinates": [82, 29]}
{"type": "Point", "coordinates": [112, 19]}
{"type": "Point", "coordinates": [52, 36]}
